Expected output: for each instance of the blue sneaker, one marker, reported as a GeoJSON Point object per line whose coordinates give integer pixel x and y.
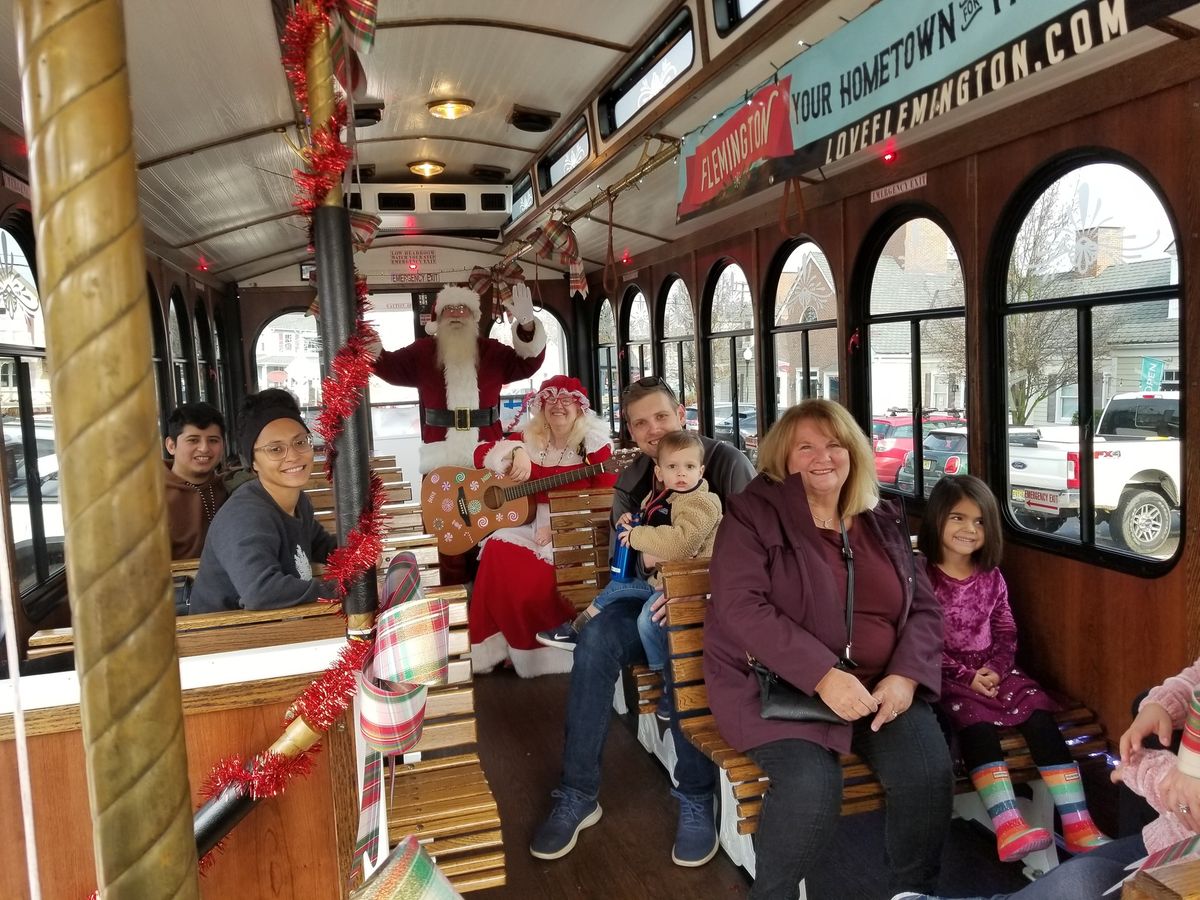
{"type": "Point", "coordinates": [573, 812]}
{"type": "Point", "coordinates": [696, 837]}
{"type": "Point", "coordinates": [564, 636]}
{"type": "Point", "coordinates": [662, 710]}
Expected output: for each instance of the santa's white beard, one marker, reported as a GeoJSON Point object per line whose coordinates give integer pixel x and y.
{"type": "Point", "coordinates": [457, 346]}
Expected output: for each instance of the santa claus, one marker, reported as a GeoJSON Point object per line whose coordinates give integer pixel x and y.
{"type": "Point", "coordinates": [459, 374]}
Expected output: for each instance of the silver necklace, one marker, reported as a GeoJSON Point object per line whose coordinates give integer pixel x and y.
{"type": "Point", "coordinates": [557, 462]}
{"type": "Point", "coordinates": [823, 523]}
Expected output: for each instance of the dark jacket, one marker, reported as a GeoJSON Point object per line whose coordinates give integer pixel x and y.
{"type": "Point", "coordinates": [774, 596]}
{"type": "Point", "coordinates": [726, 470]}
{"type": "Point", "coordinates": [259, 557]}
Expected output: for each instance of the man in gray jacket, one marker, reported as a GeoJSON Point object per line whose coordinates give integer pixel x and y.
{"type": "Point", "coordinates": [611, 642]}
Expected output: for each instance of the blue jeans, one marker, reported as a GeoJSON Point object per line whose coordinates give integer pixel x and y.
{"type": "Point", "coordinates": [1084, 877]}
{"type": "Point", "coordinates": [801, 808]}
{"type": "Point", "coordinates": [654, 635]}
{"type": "Point", "coordinates": [615, 591]}
{"type": "Point", "coordinates": [607, 644]}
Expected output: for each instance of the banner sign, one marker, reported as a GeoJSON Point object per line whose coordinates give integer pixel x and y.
{"type": "Point", "coordinates": [898, 65]}
{"type": "Point", "coordinates": [752, 133]}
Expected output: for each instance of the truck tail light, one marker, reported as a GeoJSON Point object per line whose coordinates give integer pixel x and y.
{"type": "Point", "coordinates": [951, 467]}
{"type": "Point", "coordinates": [1072, 470]}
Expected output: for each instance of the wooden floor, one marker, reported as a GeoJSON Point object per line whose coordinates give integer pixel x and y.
{"type": "Point", "coordinates": [628, 853]}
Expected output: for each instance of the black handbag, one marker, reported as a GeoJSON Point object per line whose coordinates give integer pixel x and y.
{"type": "Point", "coordinates": [780, 700]}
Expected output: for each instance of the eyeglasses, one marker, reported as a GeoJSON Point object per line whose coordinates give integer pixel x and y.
{"type": "Point", "coordinates": [648, 382]}
{"type": "Point", "coordinates": [301, 445]}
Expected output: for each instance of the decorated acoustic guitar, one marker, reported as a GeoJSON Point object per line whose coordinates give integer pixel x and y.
{"type": "Point", "coordinates": [463, 506]}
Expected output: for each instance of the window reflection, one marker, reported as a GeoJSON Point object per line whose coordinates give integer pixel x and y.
{"type": "Point", "coordinates": [1098, 243]}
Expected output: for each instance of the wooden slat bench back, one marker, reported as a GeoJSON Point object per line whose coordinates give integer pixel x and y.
{"type": "Point", "coordinates": [687, 587]}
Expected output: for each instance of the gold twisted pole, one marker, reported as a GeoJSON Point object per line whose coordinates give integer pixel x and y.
{"type": "Point", "coordinates": [75, 94]}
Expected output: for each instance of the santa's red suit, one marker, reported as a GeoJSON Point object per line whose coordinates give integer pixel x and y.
{"type": "Point", "coordinates": [466, 393]}
{"type": "Point", "coordinates": [516, 594]}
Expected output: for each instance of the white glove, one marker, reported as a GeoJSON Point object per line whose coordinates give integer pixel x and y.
{"type": "Point", "coordinates": [521, 305]}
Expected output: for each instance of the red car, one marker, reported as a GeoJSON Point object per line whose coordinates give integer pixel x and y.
{"type": "Point", "coordinates": [892, 439]}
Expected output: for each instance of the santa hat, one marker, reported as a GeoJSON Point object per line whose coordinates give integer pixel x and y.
{"type": "Point", "coordinates": [454, 296]}
{"type": "Point", "coordinates": [551, 389]}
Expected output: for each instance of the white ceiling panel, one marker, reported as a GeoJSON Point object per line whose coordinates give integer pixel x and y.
{"type": "Point", "coordinates": [618, 21]}
{"type": "Point", "coordinates": [199, 194]}
{"type": "Point", "coordinates": [186, 93]}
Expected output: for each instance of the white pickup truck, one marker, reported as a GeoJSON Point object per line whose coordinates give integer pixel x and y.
{"type": "Point", "coordinates": [1136, 465]}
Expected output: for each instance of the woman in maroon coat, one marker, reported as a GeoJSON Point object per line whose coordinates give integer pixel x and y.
{"type": "Point", "coordinates": [779, 580]}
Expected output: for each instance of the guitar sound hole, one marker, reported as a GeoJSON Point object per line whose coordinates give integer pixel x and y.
{"type": "Point", "coordinates": [493, 497]}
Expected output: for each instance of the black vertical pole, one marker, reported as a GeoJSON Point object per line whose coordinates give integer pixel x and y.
{"type": "Point", "coordinates": [351, 470]}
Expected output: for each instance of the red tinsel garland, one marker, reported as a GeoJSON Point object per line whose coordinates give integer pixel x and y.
{"type": "Point", "coordinates": [323, 701]}
{"type": "Point", "coordinates": [363, 544]}
{"type": "Point", "coordinates": [267, 776]}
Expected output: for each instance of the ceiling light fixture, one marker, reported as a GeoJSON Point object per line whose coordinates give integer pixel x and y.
{"type": "Point", "coordinates": [427, 168]}
{"type": "Point", "coordinates": [453, 108]}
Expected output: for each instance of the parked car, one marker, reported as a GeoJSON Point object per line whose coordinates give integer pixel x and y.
{"type": "Point", "coordinates": [691, 419]}
{"type": "Point", "coordinates": [1136, 463]}
{"type": "Point", "coordinates": [943, 452]}
{"type": "Point", "coordinates": [892, 440]}
{"type": "Point", "coordinates": [723, 429]}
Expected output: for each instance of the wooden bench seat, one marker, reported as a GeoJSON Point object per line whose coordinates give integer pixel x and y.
{"type": "Point", "coordinates": [743, 783]}
{"type": "Point", "coordinates": [321, 495]}
{"type": "Point", "coordinates": [399, 517]}
{"type": "Point", "coordinates": [439, 792]}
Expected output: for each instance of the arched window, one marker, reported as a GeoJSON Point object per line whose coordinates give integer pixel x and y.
{"type": "Point", "coordinates": [804, 324]}
{"type": "Point", "coordinates": [1093, 389]}
{"type": "Point", "coordinates": [158, 355]}
{"type": "Point", "coordinates": [639, 356]}
{"type": "Point", "coordinates": [916, 336]}
{"type": "Point", "coordinates": [605, 400]}
{"type": "Point", "coordinates": [679, 348]}
{"type": "Point", "coordinates": [204, 355]}
{"type": "Point", "coordinates": [555, 363]}
{"type": "Point", "coordinates": [731, 357]}
{"type": "Point", "coordinates": [224, 387]}
{"type": "Point", "coordinates": [180, 334]}
{"type": "Point", "coordinates": [28, 420]}
{"type": "Point", "coordinates": [287, 355]}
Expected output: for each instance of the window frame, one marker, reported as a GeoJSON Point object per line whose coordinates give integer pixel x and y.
{"type": "Point", "coordinates": [645, 348]}
{"type": "Point", "coordinates": [997, 310]}
{"type": "Point", "coordinates": [653, 52]}
{"type": "Point", "coordinates": [770, 298]}
{"type": "Point", "coordinates": [727, 18]}
{"type": "Point", "coordinates": [305, 406]}
{"type": "Point", "coordinates": [521, 186]}
{"type": "Point", "coordinates": [662, 346]}
{"type": "Point", "coordinates": [182, 367]}
{"type": "Point", "coordinates": [613, 366]}
{"type": "Point", "coordinates": [206, 383]}
{"type": "Point", "coordinates": [561, 148]}
{"type": "Point", "coordinates": [710, 338]}
{"type": "Point", "coordinates": [870, 252]}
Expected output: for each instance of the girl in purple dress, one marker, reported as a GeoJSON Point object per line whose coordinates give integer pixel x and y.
{"type": "Point", "coordinates": [982, 689]}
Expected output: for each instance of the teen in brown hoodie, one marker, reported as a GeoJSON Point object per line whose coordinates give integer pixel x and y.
{"type": "Point", "coordinates": [196, 442]}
